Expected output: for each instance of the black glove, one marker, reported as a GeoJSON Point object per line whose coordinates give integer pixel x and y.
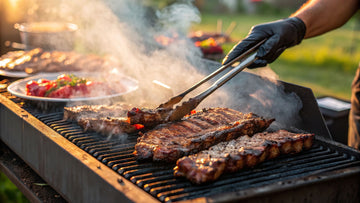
{"type": "Point", "coordinates": [280, 35]}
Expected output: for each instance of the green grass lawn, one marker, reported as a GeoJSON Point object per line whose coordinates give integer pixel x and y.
{"type": "Point", "coordinates": [9, 193]}
{"type": "Point", "coordinates": [326, 64]}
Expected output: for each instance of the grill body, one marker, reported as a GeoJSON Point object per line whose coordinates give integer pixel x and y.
{"type": "Point", "coordinates": [87, 167]}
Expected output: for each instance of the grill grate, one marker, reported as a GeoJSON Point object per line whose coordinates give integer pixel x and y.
{"type": "Point", "coordinates": [158, 180]}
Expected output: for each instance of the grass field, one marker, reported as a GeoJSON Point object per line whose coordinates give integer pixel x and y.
{"type": "Point", "coordinates": [326, 64]}
{"type": "Point", "coordinates": [9, 193]}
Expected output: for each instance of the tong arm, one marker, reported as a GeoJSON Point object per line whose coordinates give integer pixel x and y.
{"type": "Point", "coordinates": [192, 103]}
{"type": "Point", "coordinates": [178, 98]}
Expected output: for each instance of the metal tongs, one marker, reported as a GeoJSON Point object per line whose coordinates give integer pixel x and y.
{"type": "Point", "coordinates": [187, 106]}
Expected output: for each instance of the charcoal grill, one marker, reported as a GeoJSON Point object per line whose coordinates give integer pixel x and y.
{"type": "Point", "coordinates": [87, 167]}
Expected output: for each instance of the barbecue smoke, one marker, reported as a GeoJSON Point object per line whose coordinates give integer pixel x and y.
{"type": "Point", "coordinates": [130, 31]}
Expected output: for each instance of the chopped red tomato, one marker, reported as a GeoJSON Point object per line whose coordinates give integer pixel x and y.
{"type": "Point", "coordinates": [41, 91]}
{"type": "Point", "coordinates": [62, 92]}
{"type": "Point", "coordinates": [81, 89]}
{"type": "Point", "coordinates": [31, 88]}
{"type": "Point", "coordinates": [64, 77]}
{"type": "Point", "coordinates": [40, 81]}
{"type": "Point", "coordinates": [66, 86]}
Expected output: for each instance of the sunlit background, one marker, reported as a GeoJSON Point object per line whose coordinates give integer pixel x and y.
{"type": "Point", "coordinates": [326, 64]}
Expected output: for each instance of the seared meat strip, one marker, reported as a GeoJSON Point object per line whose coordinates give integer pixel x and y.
{"type": "Point", "coordinates": [9, 58]}
{"type": "Point", "coordinates": [199, 131]}
{"type": "Point", "coordinates": [234, 155]}
{"type": "Point", "coordinates": [148, 117]}
{"type": "Point", "coordinates": [105, 119]}
{"type": "Point", "coordinates": [96, 111]}
{"type": "Point", "coordinates": [21, 62]}
{"type": "Point", "coordinates": [288, 142]}
{"type": "Point", "coordinates": [38, 60]}
{"type": "Point", "coordinates": [107, 125]}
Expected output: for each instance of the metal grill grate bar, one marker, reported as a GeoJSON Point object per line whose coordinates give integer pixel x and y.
{"type": "Point", "coordinates": [158, 180]}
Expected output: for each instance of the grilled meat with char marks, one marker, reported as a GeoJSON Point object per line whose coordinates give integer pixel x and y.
{"type": "Point", "coordinates": [105, 119]}
{"type": "Point", "coordinates": [245, 151]}
{"type": "Point", "coordinates": [288, 142]}
{"type": "Point", "coordinates": [107, 125]}
{"type": "Point", "coordinates": [19, 60]}
{"type": "Point", "coordinates": [38, 60]}
{"type": "Point", "coordinates": [96, 111]}
{"type": "Point", "coordinates": [170, 141]}
{"type": "Point", "coordinates": [148, 117]}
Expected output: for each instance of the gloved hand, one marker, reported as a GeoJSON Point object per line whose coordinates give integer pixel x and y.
{"type": "Point", "coordinates": [280, 35]}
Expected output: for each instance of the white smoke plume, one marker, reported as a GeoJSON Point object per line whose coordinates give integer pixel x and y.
{"type": "Point", "coordinates": [127, 30]}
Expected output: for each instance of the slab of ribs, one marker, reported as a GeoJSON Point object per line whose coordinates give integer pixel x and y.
{"type": "Point", "coordinates": [243, 152]}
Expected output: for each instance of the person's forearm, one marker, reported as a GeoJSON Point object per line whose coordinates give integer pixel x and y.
{"type": "Point", "coordinates": [321, 16]}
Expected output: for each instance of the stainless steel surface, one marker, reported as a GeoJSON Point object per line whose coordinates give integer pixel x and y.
{"type": "Point", "coordinates": [34, 188]}
{"type": "Point", "coordinates": [47, 35]}
{"type": "Point", "coordinates": [75, 174]}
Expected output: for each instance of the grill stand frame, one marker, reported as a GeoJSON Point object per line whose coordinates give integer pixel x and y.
{"type": "Point", "coordinates": [25, 179]}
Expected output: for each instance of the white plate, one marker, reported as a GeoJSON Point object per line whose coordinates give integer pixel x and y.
{"type": "Point", "coordinates": [17, 88]}
{"type": "Point", "coordinates": [14, 74]}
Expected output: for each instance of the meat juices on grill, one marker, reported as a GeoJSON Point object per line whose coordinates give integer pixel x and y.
{"type": "Point", "coordinates": [245, 151]}
{"type": "Point", "coordinates": [170, 141]}
{"type": "Point", "coordinates": [96, 111]}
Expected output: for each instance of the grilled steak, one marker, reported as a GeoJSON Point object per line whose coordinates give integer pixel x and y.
{"type": "Point", "coordinates": [234, 155]}
{"type": "Point", "coordinates": [38, 60]}
{"type": "Point", "coordinates": [107, 125]}
{"type": "Point", "coordinates": [105, 119]}
{"type": "Point", "coordinates": [148, 117]}
{"type": "Point", "coordinates": [288, 142]}
{"type": "Point", "coordinates": [96, 111]}
{"type": "Point", "coordinates": [199, 131]}
{"type": "Point", "coordinates": [18, 60]}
